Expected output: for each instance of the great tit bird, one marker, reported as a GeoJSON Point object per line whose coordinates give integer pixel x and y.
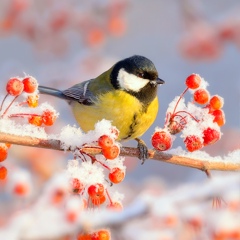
{"type": "Point", "coordinates": [126, 94]}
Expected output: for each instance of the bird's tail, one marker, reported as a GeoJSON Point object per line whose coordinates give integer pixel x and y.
{"type": "Point", "coordinates": [52, 91]}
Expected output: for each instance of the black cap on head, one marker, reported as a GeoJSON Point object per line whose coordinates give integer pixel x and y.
{"type": "Point", "coordinates": [137, 65]}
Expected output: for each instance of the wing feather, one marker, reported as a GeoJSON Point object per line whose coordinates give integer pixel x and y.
{"type": "Point", "coordinates": [87, 92]}
{"type": "Point", "coordinates": [80, 93]}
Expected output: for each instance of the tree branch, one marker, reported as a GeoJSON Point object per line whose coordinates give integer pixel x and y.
{"type": "Point", "coordinates": [126, 151]}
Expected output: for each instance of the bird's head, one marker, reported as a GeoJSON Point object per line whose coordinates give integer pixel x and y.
{"type": "Point", "coordinates": [136, 75]}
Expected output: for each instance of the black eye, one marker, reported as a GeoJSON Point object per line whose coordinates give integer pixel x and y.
{"type": "Point", "coordinates": [141, 75]}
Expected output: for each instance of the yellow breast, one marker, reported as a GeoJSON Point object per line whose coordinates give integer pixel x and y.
{"type": "Point", "coordinates": [124, 111]}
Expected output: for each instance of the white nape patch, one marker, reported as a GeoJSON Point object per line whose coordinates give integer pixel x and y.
{"type": "Point", "coordinates": [130, 81]}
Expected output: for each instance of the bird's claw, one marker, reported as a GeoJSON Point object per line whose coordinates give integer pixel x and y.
{"type": "Point", "coordinates": [143, 150]}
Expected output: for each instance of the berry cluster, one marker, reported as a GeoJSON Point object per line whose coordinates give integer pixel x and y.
{"type": "Point", "coordinates": [27, 87]}
{"type": "Point", "coordinates": [109, 149]}
{"type": "Point", "coordinates": [15, 87]}
{"type": "Point", "coordinates": [199, 120]}
{"type": "Point", "coordinates": [93, 189]}
{"type": "Point", "coordinates": [89, 181]}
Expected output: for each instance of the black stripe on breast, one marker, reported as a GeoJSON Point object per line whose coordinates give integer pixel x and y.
{"type": "Point", "coordinates": [132, 127]}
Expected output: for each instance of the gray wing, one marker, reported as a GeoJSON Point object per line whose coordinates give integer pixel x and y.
{"type": "Point", "coordinates": [81, 93]}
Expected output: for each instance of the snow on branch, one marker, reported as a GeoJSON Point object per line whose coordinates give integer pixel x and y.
{"type": "Point", "coordinates": [199, 161]}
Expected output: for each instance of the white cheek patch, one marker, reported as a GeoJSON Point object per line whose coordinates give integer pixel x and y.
{"type": "Point", "coordinates": [131, 82]}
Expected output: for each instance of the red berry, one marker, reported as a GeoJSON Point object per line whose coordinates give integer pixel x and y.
{"type": "Point", "coordinates": [30, 84]}
{"type": "Point", "coordinates": [49, 117]}
{"type": "Point", "coordinates": [116, 175]}
{"type": "Point", "coordinates": [105, 141]}
{"type": "Point", "coordinates": [193, 81]}
{"type": "Point", "coordinates": [111, 152]}
{"type": "Point", "coordinates": [14, 87]}
{"type": "Point", "coordinates": [216, 102]}
{"type": "Point", "coordinates": [193, 143]}
{"type": "Point", "coordinates": [96, 190]}
{"type": "Point", "coordinates": [77, 186]}
{"type": "Point", "coordinates": [98, 200]}
{"type": "Point", "coordinates": [36, 120]}
{"type": "Point", "coordinates": [3, 152]}
{"type": "Point", "coordinates": [162, 140]}
{"type": "Point", "coordinates": [210, 136]}
{"type": "Point", "coordinates": [3, 172]}
{"type": "Point", "coordinates": [201, 96]}
{"type": "Point", "coordinates": [219, 117]}
{"type": "Point", "coordinates": [101, 235]}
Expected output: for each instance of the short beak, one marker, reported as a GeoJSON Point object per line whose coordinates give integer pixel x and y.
{"type": "Point", "coordinates": [159, 81]}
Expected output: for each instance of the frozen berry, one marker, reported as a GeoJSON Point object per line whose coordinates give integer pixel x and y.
{"type": "Point", "coordinates": [14, 87]}
{"type": "Point", "coordinates": [216, 102]}
{"type": "Point", "coordinates": [105, 141]}
{"type": "Point", "coordinates": [111, 152]}
{"type": "Point", "coordinates": [193, 143]}
{"type": "Point", "coordinates": [36, 120]}
{"type": "Point", "coordinates": [96, 190]}
{"type": "Point", "coordinates": [162, 140]}
{"type": "Point", "coordinates": [116, 175]}
{"type": "Point", "coordinates": [49, 117]}
{"type": "Point", "coordinates": [193, 81]}
{"type": "Point", "coordinates": [219, 117]}
{"type": "Point", "coordinates": [30, 84]}
{"type": "Point", "coordinates": [201, 96]}
{"type": "Point", "coordinates": [32, 100]}
{"type": "Point", "coordinates": [210, 136]}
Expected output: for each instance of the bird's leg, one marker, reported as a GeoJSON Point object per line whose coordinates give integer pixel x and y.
{"type": "Point", "coordinates": [143, 150]}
